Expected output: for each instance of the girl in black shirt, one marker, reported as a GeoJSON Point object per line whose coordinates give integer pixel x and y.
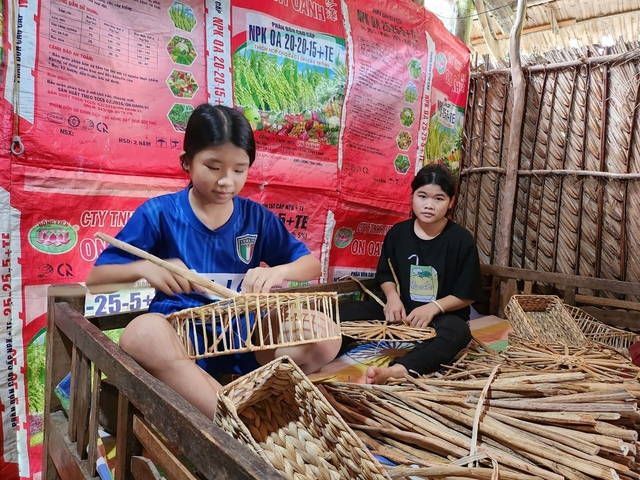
{"type": "Point", "coordinates": [438, 269]}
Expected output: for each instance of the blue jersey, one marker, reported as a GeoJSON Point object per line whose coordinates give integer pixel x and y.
{"type": "Point", "coordinates": [167, 227]}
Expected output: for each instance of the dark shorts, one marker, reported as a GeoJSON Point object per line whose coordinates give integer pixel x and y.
{"type": "Point", "coordinates": [238, 363]}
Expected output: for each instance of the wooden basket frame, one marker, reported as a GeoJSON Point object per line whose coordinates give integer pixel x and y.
{"type": "Point", "coordinates": [290, 311]}
{"type": "Point", "coordinates": [319, 444]}
{"type": "Point", "coordinates": [543, 319]}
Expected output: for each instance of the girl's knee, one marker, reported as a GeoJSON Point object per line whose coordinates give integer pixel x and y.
{"type": "Point", "coordinates": [143, 333]}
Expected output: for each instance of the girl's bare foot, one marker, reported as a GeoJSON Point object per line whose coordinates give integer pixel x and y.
{"type": "Point", "coordinates": [379, 375]}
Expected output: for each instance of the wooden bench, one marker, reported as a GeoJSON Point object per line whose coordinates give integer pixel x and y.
{"type": "Point", "coordinates": [77, 344]}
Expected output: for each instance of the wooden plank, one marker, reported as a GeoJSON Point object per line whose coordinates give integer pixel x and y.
{"type": "Point", "coordinates": [607, 302]}
{"type": "Point", "coordinates": [144, 469]}
{"type": "Point", "coordinates": [589, 62]}
{"type": "Point", "coordinates": [124, 438]}
{"type": "Point", "coordinates": [627, 288]}
{"type": "Point", "coordinates": [93, 421]}
{"type": "Point", "coordinates": [58, 364]}
{"type": "Point", "coordinates": [528, 288]}
{"type": "Point", "coordinates": [570, 295]}
{"type": "Point", "coordinates": [73, 394]}
{"type": "Point", "coordinates": [527, 31]}
{"type": "Point", "coordinates": [158, 451]}
{"type": "Point", "coordinates": [630, 320]}
{"type": "Point", "coordinates": [83, 404]}
{"type": "Point", "coordinates": [67, 463]}
{"type": "Point", "coordinates": [111, 322]}
{"type": "Point", "coordinates": [346, 286]}
{"type": "Point", "coordinates": [214, 453]}
{"type": "Point", "coordinates": [510, 289]}
{"type": "Point", "coordinates": [495, 295]}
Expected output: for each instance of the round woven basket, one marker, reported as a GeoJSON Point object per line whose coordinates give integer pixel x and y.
{"type": "Point", "coordinates": [283, 417]}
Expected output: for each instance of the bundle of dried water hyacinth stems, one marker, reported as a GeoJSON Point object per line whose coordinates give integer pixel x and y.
{"type": "Point", "coordinates": [519, 415]}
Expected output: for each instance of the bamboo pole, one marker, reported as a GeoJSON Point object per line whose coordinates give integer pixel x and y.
{"type": "Point", "coordinates": [631, 148]}
{"type": "Point", "coordinates": [546, 164]}
{"type": "Point", "coordinates": [540, 172]}
{"type": "Point", "coordinates": [519, 87]}
{"type": "Point", "coordinates": [601, 168]}
{"type": "Point", "coordinates": [527, 203]}
{"type": "Point", "coordinates": [617, 58]}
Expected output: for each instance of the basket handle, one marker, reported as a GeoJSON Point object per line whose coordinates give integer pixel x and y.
{"type": "Point", "coordinates": [181, 272]}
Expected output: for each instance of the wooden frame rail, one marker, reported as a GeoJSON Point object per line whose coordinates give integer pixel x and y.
{"type": "Point", "coordinates": [76, 345]}
{"type": "Point", "coordinates": [504, 285]}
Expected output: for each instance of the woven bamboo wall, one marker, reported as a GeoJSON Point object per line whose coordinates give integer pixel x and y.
{"type": "Point", "coordinates": [581, 118]}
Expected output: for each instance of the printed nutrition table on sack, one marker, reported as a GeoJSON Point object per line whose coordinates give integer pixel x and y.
{"type": "Point", "coordinates": [88, 33]}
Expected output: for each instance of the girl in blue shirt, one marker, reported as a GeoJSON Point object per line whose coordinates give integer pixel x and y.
{"type": "Point", "coordinates": [210, 229]}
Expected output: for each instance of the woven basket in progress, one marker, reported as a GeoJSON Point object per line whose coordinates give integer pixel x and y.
{"type": "Point", "coordinates": [254, 322]}
{"type": "Point", "coordinates": [383, 330]}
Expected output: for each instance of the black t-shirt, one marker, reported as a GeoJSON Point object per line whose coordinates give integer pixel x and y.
{"type": "Point", "coordinates": [431, 269]}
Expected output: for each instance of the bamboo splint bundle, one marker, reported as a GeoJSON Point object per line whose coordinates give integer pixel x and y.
{"type": "Point", "coordinates": [278, 413]}
{"type": "Point", "coordinates": [248, 322]}
{"type": "Point", "coordinates": [531, 423]}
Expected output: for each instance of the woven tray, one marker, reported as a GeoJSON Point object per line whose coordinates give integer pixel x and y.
{"type": "Point", "coordinates": [233, 325]}
{"type": "Point", "coordinates": [278, 413]}
{"type": "Point", "coordinates": [543, 319]}
{"type": "Point", "coordinates": [382, 330]}
{"type": "Point", "coordinates": [597, 331]}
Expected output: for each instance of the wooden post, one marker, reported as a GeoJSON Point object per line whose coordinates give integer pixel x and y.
{"type": "Point", "coordinates": [58, 364]}
{"type": "Point", "coordinates": [511, 178]}
{"type": "Point", "coordinates": [527, 203]}
{"type": "Point", "coordinates": [565, 149]}
{"type": "Point", "coordinates": [602, 167]}
{"type": "Point", "coordinates": [544, 180]}
{"type": "Point", "coordinates": [124, 438]}
{"type": "Point", "coordinates": [493, 45]}
{"type": "Point", "coordinates": [464, 22]}
{"type": "Point", "coordinates": [631, 143]}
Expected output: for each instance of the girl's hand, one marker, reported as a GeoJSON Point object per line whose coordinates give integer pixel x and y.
{"type": "Point", "coordinates": [163, 280]}
{"type": "Point", "coordinates": [261, 280]}
{"type": "Point", "coordinates": [422, 316]}
{"type": "Point", "coordinates": [394, 311]}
